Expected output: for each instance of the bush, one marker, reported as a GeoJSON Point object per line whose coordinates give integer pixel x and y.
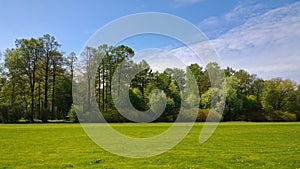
{"type": "Point", "coordinates": [256, 116]}
{"type": "Point", "coordinates": [202, 115]}
{"type": "Point", "coordinates": [209, 115]}
{"type": "Point", "coordinates": [45, 115]}
{"type": "Point", "coordinates": [4, 113]}
{"type": "Point", "coordinates": [112, 115]}
{"type": "Point", "coordinates": [298, 116]}
{"type": "Point", "coordinates": [9, 114]}
{"type": "Point", "coordinates": [72, 115]}
{"type": "Point", "coordinates": [280, 116]}
{"type": "Point", "coordinates": [187, 115]}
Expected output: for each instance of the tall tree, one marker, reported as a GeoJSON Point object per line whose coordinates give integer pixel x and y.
{"type": "Point", "coordinates": [30, 51]}
{"type": "Point", "coordinates": [121, 53]}
{"type": "Point", "coordinates": [56, 63]}
{"type": "Point", "coordinates": [70, 61]}
{"type": "Point", "coordinates": [49, 45]}
{"type": "Point", "coordinates": [257, 89]}
{"type": "Point", "coordinates": [142, 77]}
{"type": "Point", "coordinates": [88, 55]}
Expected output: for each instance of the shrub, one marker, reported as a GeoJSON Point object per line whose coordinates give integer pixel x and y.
{"type": "Point", "coordinates": [112, 115]}
{"type": "Point", "coordinates": [202, 115]}
{"type": "Point", "coordinates": [213, 116]}
{"type": "Point", "coordinates": [45, 115]}
{"type": "Point", "coordinates": [256, 116]}
{"type": "Point", "coordinates": [298, 116]}
{"type": "Point", "coordinates": [9, 114]}
{"type": "Point", "coordinates": [279, 116]}
{"type": "Point", "coordinates": [187, 115]}
{"type": "Point", "coordinates": [72, 115]}
{"type": "Point", "coordinates": [4, 108]}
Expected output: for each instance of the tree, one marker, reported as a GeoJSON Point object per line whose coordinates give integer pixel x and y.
{"type": "Point", "coordinates": [56, 63]}
{"type": "Point", "coordinates": [201, 77]}
{"type": "Point", "coordinates": [12, 86]}
{"type": "Point", "coordinates": [178, 75]}
{"type": "Point", "coordinates": [140, 80]}
{"type": "Point", "coordinates": [137, 99]}
{"type": "Point", "coordinates": [277, 94]}
{"type": "Point", "coordinates": [63, 96]}
{"type": "Point", "coordinates": [70, 63]}
{"type": "Point", "coordinates": [257, 89]}
{"type": "Point", "coordinates": [214, 74]}
{"type": "Point", "coordinates": [229, 72]}
{"type": "Point", "coordinates": [30, 51]}
{"type": "Point", "coordinates": [296, 105]}
{"type": "Point", "coordinates": [175, 94]}
{"type": "Point", "coordinates": [104, 74]}
{"type": "Point", "coordinates": [234, 100]}
{"type": "Point", "coordinates": [245, 81]}
{"type": "Point", "coordinates": [50, 46]}
{"type": "Point", "coordinates": [121, 54]}
{"type": "Point", "coordinates": [88, 56]}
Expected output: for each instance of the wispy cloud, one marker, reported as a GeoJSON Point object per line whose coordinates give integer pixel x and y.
{"type": "Point", "coordinates": [181, 3]}
{"type": "Point", "coordinates": [214, 26]}
{"type": "Point", "coordinates": [266, 44]}
{"type": "Point", "coordinates": [244, 9]}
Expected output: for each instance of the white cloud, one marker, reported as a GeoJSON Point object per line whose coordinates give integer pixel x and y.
{"type": "Point", "coordinates": [217, 25]}
{"type": "Point", "coordinates": [267, 44]}
{"type": "Point", "coordinates": [181, 3]}
{"type": "Point", "coordinates": [244, 9]}
{"type": "Point", "coordinates": [211, 21]}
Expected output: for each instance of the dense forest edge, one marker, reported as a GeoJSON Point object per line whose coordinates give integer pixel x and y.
{"type": "Point", "coordinates": [36, 86]}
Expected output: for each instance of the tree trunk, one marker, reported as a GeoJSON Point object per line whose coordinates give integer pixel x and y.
{"type": "Point", "coordinates": [89, 94]}
{"type": "Point", "coordinates": [45, 109]}
{"type": "Point", "coordinates": [32, 84]}
{"type": "Point", "coordinates": [106, 88]}
{"type": "Point", "coordinates": [53, 91]}
{"type": "Point", "coordinates": [119, 79]}
{"type": "Point", "coordinates": [103, 82]}
{"type": "Point", "coordinates": [99, 88]}
{"type": "Point", "coordinates": [39, 100]}
{"type": "Point", "coordinates": [32, 105]}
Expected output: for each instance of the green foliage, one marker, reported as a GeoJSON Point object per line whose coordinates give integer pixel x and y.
{"type": "Point", "coordinates": [10, 114]}
{"type": "Point", "coordinates": [280, 116]}
{"type": "Point", "coordinates": [250, 104]}
{"type": "Point", "coordinates": [157, 101]}
{"type": "Point", "coordinates": [202, 115]}
{"type": "Point", "coordinates": [277, 94]}
{"type": "Point", "coordinates": [72, 115]}
{"type": "Point", "coordinates": [112, 115]}
{"type": "Point", "coordinates": [137, 99]}
{"type": "Point", "coordinates": [45, 112]}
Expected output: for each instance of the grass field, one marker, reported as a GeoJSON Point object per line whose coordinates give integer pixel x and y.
{"type": "Point", "coordinates": [233, 145]}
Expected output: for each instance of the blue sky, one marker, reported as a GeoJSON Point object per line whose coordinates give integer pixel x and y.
{"type": "Point", "coordinates": [262, 37]}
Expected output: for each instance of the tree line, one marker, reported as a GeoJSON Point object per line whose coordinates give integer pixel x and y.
{"type": "Point", "coordinates": [36, 81]}
{"type": "Point", "coordinates": [36, 84]}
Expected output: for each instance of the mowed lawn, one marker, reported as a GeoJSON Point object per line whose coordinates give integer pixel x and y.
{"type": "Point", "coordinates": [233, 145]}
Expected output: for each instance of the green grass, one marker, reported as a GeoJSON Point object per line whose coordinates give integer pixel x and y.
{"type": "Point", "coordinates": [233, 145]}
